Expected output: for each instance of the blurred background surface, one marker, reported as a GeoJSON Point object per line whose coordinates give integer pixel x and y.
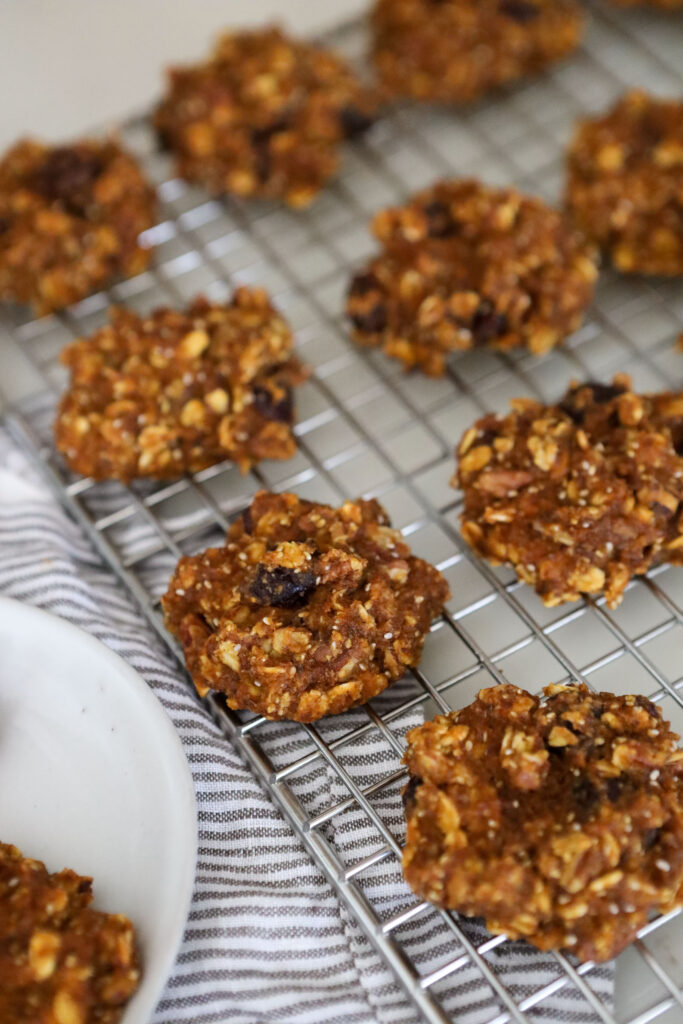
{"type": "Point", "coordinates": [70, 65]}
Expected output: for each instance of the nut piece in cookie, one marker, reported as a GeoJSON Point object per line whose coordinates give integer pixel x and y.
{"type": "Point", "coordinates": [307, 611]}
{"type": "Point", "coordinates": [559, 821]}
{"type": "Point", "coordinates": [580, 496]}
{"type": "Point", "coordinates": [625, 184]}
{"type": "Point", "coordinates": [264, 116]}
{"type": "Point", "coordinates": [70, 217]}
{"type": "Point", "coordinates": [175, 392]}
{"type": "Point", "coordinates": [60, 961]}
{"type": "Point", "coordinates": [454, 51]}
{"type": "Point", "coordinates": [464, 265]}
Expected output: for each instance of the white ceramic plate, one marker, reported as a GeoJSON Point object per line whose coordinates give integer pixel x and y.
{"type": "Point", "coordinates": [94, 778]}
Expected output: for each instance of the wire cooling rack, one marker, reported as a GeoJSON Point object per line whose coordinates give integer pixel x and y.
{"type": "Point", "coordinates": [365, 427]}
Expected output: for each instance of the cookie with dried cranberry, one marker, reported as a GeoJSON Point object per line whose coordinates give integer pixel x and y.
{"type": "Point", "coordinates": [61, 962]}
{"type": "Point", "coordinates": [306, 611]}
{"type": "Point", "coordinates": [454, 51]}
{"type": "Point", "coordinates": [70, 221]}
{"type": "Point", "coordinates": [577, 497]}
{"type": "Point", "coordinates": [625, 184]}
{"type": "Point", "coordinates": [178, 391]}
{"type": "Point", "coordinates": [559, 821]}
{"type": "Point", "coordinates": [263, 117]}
{"type": "Point", "coordinates": [464, 265]}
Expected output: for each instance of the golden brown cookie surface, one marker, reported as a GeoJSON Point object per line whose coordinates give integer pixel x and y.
{"type": "Point", "coordinates": [580, 496]}
{"type": "Point", "coordinates": [453, 51]}
{"type": "Point", "coordinates": [625, 185]}
{"type": "Point", "coordinates": [560, 822]}
{"type": "Point", "coordinates": [60, 961]}
{"type": "Point", "coordinates": [308, 610]}
{"type": "Point", "coordinates": [264, 116]}
{"type": "Point", "coordinates": [70, 217]}
{"type": "Point", "coordinates": [179, 391]}
{"type": "Point", "coordinates": [463, 265]}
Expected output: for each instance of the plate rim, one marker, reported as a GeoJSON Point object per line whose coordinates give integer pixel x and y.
{"type": "Point", "coordinates": [141, 1007]}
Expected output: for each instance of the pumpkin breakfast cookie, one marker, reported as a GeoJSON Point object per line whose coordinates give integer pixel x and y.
{"type": "Point", "coordinates": [306, 611]}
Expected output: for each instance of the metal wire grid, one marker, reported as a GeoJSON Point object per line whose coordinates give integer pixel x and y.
{"type": "Point", "coordinates": [365, 427]}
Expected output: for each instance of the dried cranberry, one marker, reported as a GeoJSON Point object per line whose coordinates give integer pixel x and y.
{"type": "Point", "coordinates": [248, 521]}
{"type": "Point", "coordinates": [67, 176]}
{"type": "Point", "coordinates": [519, 10]}
{"type": "Point", "coordinates": [354, 121]}
{"type": "Point", "coordinates": [5, 224]}
{"type": "Point", "coordinates": [362, 284]}
{"type": "Point", "coordinates": [165, 139]}
{"type": "Point", "coordinates": [585, 795]}
{"type": "Point", "coordinates": [282, 587]}
{"type": "Point", "coordinates": [647, 705]}
{"type": "Point", "coordinates": [600, 394]}
{"type": "Point", "coordinates": [614, 789]}
{"type": "Point", "coordinates": [260, 142]}
{"type": "Point", "coordinates": [677, 438]}
{"type": "Point", "coordinates": [650, 837]}
{"type": "Point", "coordinates": [281, 410]}
{"type": "Point", "coordinates": [440, 223]}
{"type": "Point", "coordinates": [373, 321]}
{"type": "Point", "coordinates": [487, 324]}
{"type": "Point", "coordinates": [409, 791]}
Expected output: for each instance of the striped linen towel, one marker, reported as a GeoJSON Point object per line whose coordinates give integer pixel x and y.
{"type": "Point", "coordinates": [267, 940]}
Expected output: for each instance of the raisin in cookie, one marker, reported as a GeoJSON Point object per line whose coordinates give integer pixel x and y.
{"type": "Point", "coordinates": [625, 187]}
{"type": "Point", "coordinates": [307, 611]}
{"type": "Point", "coordinates": [60, 961]}
{"type": "Point", "coordinates": [559, 821]}
{"type": "Point", "coordinates": [453, 51]}
{"type": "Point", "coordinates": [264, 116]}
{"type": "Point", "coordinates": [578, 497]}
{"type": "Point", "coordinates": [70, 217]}
{"type": "Point", "coordinates": [176, 392]}
{"type": "Point", "coordinates": [464, 265]}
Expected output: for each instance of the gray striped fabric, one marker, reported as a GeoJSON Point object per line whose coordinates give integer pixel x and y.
{"type": "Point", "coordinates": [266, 940]}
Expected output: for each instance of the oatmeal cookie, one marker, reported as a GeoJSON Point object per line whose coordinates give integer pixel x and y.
{"type": "Point", "coordinates": [464, 265]}
{"type": "Point", "coordinates": [307, 611]}
{"type": "Point", "coordinates": [264, 116]}
{"type": "Point", "coordinates": [70, 217]}
{"type": "Point", "coordinates": [578, 497]}
{"type": "Point", "coordinates": [454, 51]}
{"type": "Point", "coordinates": [559, 821]}
{"type": "Point", "coordinates": [60, 961]}
{"type": "Point", "coordinates": [625, 184]}
{"type": "Point", "coordinates": [175, 392]}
